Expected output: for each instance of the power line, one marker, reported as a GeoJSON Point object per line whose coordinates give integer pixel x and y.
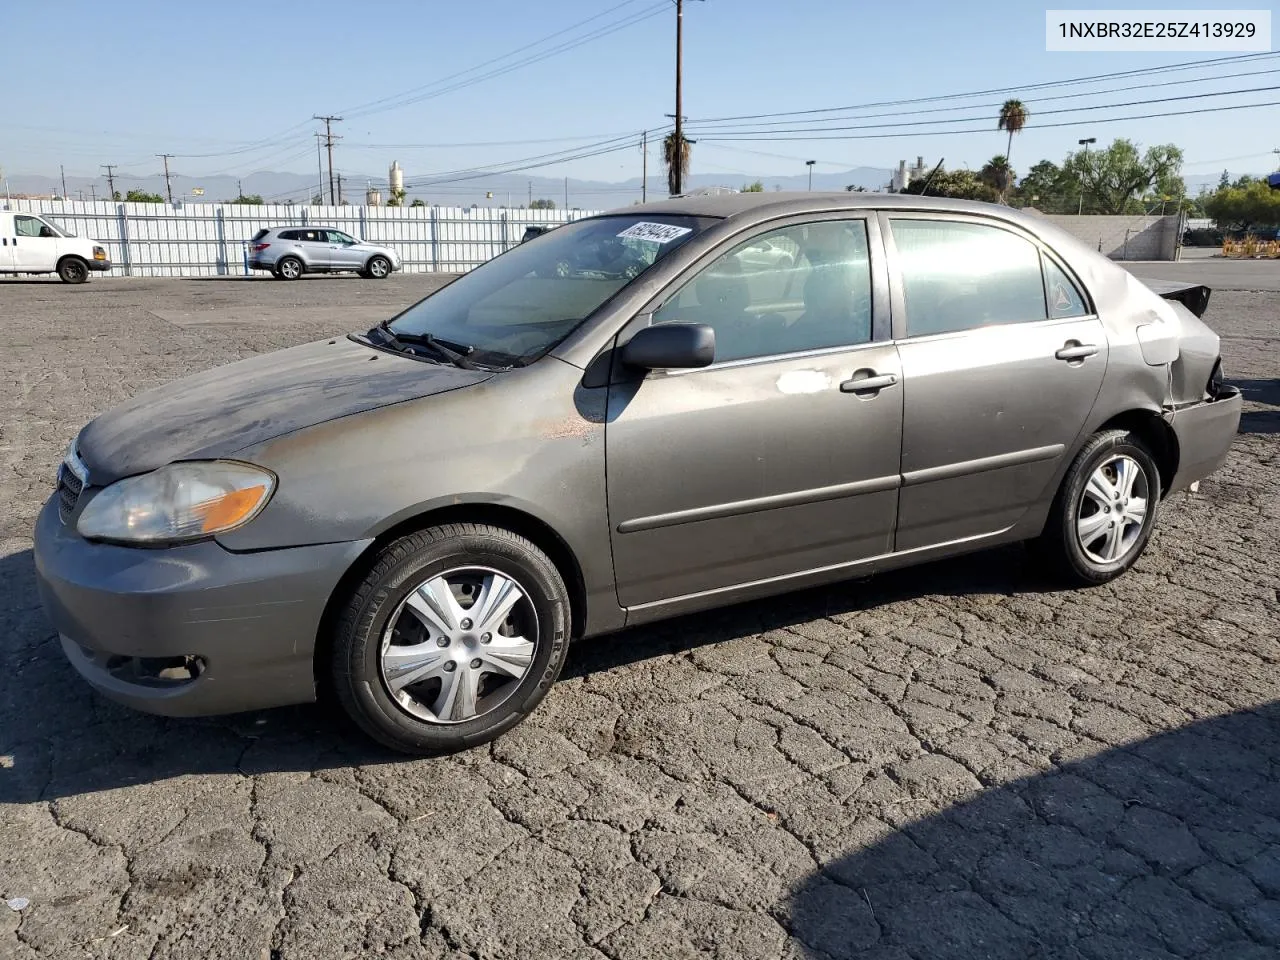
{"type": "Point", "coordinates": [486, 63]}
{"type": "Point", "coordinates": [1037, 126]}
{"type": "Point", "coordinates": [987, 119]}
{"type": "Point", "coordinates": [1048, 84]}
{"type": "Point", "coordinates": [410, 97]}
{"type": "Point", "coordinates": [992, 105]}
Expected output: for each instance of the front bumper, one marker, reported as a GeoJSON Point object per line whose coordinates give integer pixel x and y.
{"type": "Point", "coordinates": [251, 619]}
{"type": "Point", "coordinates": [1205, 432]}
{"type": "Point", "coordinates": [100, 265]}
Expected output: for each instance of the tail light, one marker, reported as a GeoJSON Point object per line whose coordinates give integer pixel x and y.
{"type": "Point", "coordinates": [1216, 381]}
{"type": "Point", "coordinates": [259, 247]}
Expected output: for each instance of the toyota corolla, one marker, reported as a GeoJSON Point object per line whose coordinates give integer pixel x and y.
{"type": "Point", "coordinates": [636, 415]}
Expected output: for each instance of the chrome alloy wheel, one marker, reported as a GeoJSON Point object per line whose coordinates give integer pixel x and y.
{"type": "Point", "coordinates": [458, 645]}
{"type": "Point", "coordinates": [1112, 510]}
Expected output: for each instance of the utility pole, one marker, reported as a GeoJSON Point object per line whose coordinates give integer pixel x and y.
{"type": "Point", "coordinates": [63, 172]}
{"type": "Point", "coordinates": [328, 141]}
{"type": "Point", "coordinates": [809, 164]}
{"type": "Point", "coordinates": [319, 169]}
{"type": "Point", "coordinates": [168, 187]}
{"type": "Point", "coordinates": [339, 188]}
{"type": "Point", "coordinates": [566, 193]}
{"type": "Point", "coordinates": [111, 180]}
{"type": "Point", "coordinates": [644, 166]}
{"type": "Point", "coordinates": [677, 174]}
{"type": "Point", "coordinates": [239, 188]}
{"type": "Point", "coordinates": [93, 193]}
{"type": "Point", "coordinates": [1084, 143]}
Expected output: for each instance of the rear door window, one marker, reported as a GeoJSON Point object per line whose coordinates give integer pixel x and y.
{"type": "Point", "coordinates": [960, 276]}
{"type": "Point", "coordinates": [1064, 297]}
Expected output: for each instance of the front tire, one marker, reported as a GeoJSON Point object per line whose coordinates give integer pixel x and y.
{"type": "Point", "coordinates": [452, 638]}
{"type": "Point", "coordinates": [72, 270]}
{"type": "Point", "coordinates": [378, 268]}
{"type": "Point", "coordinates": [1105, 511]}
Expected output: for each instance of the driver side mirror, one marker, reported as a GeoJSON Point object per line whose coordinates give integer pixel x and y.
{"type": "Point", "coordinates": [671, 346]}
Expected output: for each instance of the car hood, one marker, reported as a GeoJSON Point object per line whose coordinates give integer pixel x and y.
{"type": "Point", "coordinates": [217, 412]}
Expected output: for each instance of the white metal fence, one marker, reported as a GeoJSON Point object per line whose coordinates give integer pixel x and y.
{"type": "Point", "coordinates": [212, 239]}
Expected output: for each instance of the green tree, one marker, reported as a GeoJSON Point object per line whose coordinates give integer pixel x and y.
{"type": "Point", "coordinates": [317, 199]}
{"type": "Point", "coordinates": [756, 187]}
{"type": "Point", "coordinates": [960, 184]}
{"type": "Point", "coordinates": [418, 202]}
{"type": "Point", "coordinates": [1048, 187]}
{"type": "Point", "coordinates": [542, 204]}
{"type": "Point", "coordinates": [1114, 179]}
{"type": "Point", "coordinates": [676, 157]}
{"type": "Point", "coordinates": [115, 195]}
{"type": "Point", "coordinates": [141, 196]}
{"type": "Point", "coordinates": [997, 174]}
{"type": "Point", "coordinates": [251, 199]}
{"type": "Point", "coordinates": [1013, 117]}
{"type": "Point", "coordinates": [1245, 206]}
{"type": "Point", "coordinates": [397, 198]}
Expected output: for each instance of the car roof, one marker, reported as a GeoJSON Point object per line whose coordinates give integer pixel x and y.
{"type": "Point", "coordinates": [782, 203]}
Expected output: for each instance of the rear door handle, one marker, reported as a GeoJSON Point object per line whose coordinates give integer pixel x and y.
{"type": "Point", "coordinates": [1075, 350]}
{"type": "Point", "coordinates": [871, 384]}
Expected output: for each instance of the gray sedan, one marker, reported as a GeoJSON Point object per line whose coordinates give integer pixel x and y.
{"type": "Point", "coordinates": [634, 416]}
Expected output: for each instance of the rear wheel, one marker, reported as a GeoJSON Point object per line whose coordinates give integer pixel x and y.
{"type": "Point", "coordinates": [378, 268]}
{"type": "Point", "coordinates": [289, 268]}
{"type": "Point", "coordinates": [453, 637]}
{"type": "Point", "coordinates": [1105, 512]}
{"type": "Point", "coordinates": [73, 270]}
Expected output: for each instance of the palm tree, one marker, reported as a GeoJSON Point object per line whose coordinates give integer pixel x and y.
{"type": "Point", "coordinates": [997, 174]}
{"type": "Point", "coordinates": [676, 158]}
{"type": "Point", "coordinates": [1013, 117]}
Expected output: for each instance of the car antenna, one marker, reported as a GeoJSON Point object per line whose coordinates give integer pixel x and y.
{"type": "Point", "coordinates": [929, 179]}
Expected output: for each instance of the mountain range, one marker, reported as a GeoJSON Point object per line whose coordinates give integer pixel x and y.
{"type": "Point", "coordinates": [479, 188]}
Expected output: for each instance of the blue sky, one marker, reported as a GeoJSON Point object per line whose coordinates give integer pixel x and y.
{"type": "Point", "coordinates": [238, 81]}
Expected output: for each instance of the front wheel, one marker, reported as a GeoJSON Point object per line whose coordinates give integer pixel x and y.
{"type": "Point", "coordinates": [73, 270]}
{"type": "Point", "coordinates": [451, 639]}
{"type": "Point", "coordinates": [378, 268]}
{"type": "Point", "coordinates": [1105, 511]}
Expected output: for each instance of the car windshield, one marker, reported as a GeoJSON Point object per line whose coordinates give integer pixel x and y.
{"type": "Point", "coordinates": [516, 307]}
{"type": "Point", "coordinates": [59, 228]}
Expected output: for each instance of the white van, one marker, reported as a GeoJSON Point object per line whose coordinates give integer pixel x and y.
{"type": "Point", "coordinates": [32, 244]}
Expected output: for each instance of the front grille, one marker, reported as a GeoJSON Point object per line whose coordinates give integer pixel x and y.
{"type": "Point", "coordinates": [69, 489]}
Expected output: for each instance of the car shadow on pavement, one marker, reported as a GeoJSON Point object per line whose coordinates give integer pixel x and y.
{"type": "Point", "coordinates": [1264, 392]}
{"type": "Point", "coordinates": [1161, 848]}
{"type": "Point", "coordinates": [58, 738]}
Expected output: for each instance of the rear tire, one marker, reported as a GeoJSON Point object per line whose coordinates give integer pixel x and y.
{"type": "Point", "coordinates": [1105, 511]}
{"type": "Point", "coordinates": [289, 268]}
{"type": "Point", "coordinates": [460, 568]}
{"type": "Point", "coordinates": [378, 268]}
{"type": "Point", "coordinates": [73, 270]}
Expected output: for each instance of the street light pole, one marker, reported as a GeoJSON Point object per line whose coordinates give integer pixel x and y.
{"type": "Point", "coordinates": [1084, 143]}
{"type": "Point", "coordinates": [809, 164]}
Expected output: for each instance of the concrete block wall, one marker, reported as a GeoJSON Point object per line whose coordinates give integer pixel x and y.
{"type": "Point", "coordinates": [1125, 238]}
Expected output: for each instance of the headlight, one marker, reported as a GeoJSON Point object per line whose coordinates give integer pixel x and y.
{"type": "Point", "coordinates": [183, 501]}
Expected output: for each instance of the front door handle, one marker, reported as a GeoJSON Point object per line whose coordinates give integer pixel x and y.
{"type": "Point", "coordinates": [867, 383]}
{"type": "Point", "coordinates": [1074, 350]}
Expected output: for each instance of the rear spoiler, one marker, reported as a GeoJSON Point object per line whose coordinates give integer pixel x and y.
{"type": "Point", "coordinates": [1193, 296]}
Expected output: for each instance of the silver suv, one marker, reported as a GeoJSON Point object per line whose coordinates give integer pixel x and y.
{"type": "Point", "coordinates": [289, 252]}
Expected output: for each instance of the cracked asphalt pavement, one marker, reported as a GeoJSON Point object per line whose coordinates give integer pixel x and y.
{"type": "Point", "coordinates": [957, 761]}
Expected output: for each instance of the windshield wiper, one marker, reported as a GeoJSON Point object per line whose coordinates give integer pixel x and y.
{"type": "Point", "coordinates": [455, 353]}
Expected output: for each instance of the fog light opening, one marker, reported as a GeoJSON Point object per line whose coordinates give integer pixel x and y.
{"type": "Point", "coordinates": [156, 671]}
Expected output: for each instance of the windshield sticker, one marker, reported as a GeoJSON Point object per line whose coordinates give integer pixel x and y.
{"type": "Point", "coordinates": [657, 232]}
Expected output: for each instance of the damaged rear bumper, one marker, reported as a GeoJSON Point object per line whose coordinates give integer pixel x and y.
{"type": "Point", "coordinates": [1205, 432]}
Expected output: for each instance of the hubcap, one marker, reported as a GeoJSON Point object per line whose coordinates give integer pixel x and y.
{"type": "Point", "coordinates": [378, 268]}
{"type": "Point", "coordinates": [1112, 510]}
{"type": "Point", "coordinates": [290, 269]}
{"type": "Point", "coordinates": [459, 644]}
